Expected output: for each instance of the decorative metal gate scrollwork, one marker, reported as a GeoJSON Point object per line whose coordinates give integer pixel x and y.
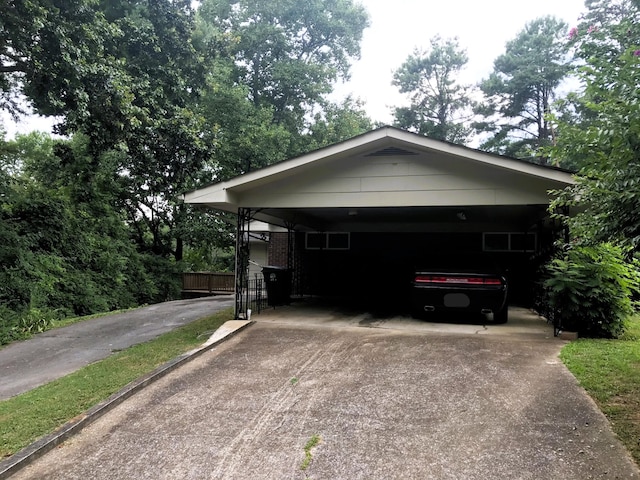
{"type": "Point", "coordinates": [242, 263]}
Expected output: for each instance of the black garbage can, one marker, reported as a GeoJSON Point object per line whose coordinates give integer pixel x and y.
{"type": "Point", "coordinates": [278, 283]}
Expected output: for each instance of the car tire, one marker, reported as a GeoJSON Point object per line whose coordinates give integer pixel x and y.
{"type": "Point", "coordinates": [502, 316]}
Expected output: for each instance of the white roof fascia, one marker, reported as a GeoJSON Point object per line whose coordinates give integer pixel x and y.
{"type": "Point", "coordinates": [260, 226]}
{"type": "Point", "coordinates": [214, 194]}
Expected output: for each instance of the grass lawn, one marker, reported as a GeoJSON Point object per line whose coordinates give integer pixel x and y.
{"type": "Point", "coordinates": [27, 417]}
{"type": "Point", "coordinates": [609, 370]}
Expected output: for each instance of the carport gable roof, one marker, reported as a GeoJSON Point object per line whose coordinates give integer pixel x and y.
{"type": "Point", "coordinates": [386, 167]}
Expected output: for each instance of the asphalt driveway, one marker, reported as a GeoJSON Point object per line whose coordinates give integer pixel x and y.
{"type": "Point", "coordinates": [384, 402]}
{"type": "Point", "coordinates": [50, 355]}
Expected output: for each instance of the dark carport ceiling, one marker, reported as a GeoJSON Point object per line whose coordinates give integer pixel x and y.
{"type": "Point", "coordinates": [473, 218]}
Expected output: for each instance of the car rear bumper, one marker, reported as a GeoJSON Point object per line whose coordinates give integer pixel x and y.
{"type": "Point", "coordinates": [481, 299]}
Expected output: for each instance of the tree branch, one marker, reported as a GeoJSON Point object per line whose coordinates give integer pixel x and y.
{"type": "Point", "coordinates": [12, 68]}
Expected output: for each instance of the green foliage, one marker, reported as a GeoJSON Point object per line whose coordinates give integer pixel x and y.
{"type": "Point", "coordinates": [126, 76]}
{"type": "Point", "coordinates": [520, 91]}
{"type": "Point", "coordinates": [338, 122]}
{"type": "Point", "coordinates": [605, 141]}
{"type": "Point", "coordinates": [164, 143]}
{"type": "Point", "coordinates": [308, 447]}
{"type": "Point", "coordinates": [54, 53]}
{"type": "Point", "coordinates": [439, 105]}
{"type": "Point", "coordinates": [248, 137]}
{"type": "Point", "coordinates": [286, 53]}
{"type": "Point", "coordinates": [206, 259]}
{"type": "Point", "coordinates": [64, 248]}
{"type": "Point", "coordinates": [22, 325]}
{"type": "Point", "coordinates": [591, 288]}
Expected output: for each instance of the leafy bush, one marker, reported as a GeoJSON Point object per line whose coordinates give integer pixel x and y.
{"type": "Point", "coordinates": [164, 276]}
{"type": "Point", "coordinates": [591, 288]}
{"type": "Point", "coordinates": [8, 321]}
{"type": "Point", "coordinates": [36, 320]}
{"type": "Point", "coordinates": [22, 325]}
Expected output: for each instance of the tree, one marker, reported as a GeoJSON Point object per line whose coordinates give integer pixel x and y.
{"type": "Point", "coordinates": [126, 76]}
{"type": "Point", "coordinates": [285, 52]}
{"type": "Point", "coordinates": [270, 68]}
{"type": "Point", "coordinates": [47, 58]}
{"type": "Point", "coordinates": [338, 122]}
{"type": "Point", "coordinates": [64, 251]}
{"type": "Point", "coordinates": [157, 143]}
{"type": "Point", "coordinates": [247, 135]}
{"type": "Point", "coordinates": [520, 91]}
{"type": "Point", "coordinates": [439, 105]}
{"type": "Point", "coordinates": [606, 143]}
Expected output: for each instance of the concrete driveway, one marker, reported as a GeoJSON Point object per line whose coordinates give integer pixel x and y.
{"type": "Point", "coordinates": [385, 403]}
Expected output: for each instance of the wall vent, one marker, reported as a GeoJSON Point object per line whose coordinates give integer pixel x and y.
{"type": "Point", "coordinates": [390, 151]}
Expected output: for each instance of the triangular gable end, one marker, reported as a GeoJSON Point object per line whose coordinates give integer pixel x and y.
{"type": "Point", "coordinates": [387, 167]}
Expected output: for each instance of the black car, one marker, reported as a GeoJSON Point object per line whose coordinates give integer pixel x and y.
{"type": "Point", "coordinates": [459, 289]}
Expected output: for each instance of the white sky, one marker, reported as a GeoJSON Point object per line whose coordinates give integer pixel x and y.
{"type": "Point", "coordinates": [399, 26]}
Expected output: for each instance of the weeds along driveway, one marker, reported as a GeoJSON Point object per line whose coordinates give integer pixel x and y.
{"type": "Point", "coordinates": [384, 404]}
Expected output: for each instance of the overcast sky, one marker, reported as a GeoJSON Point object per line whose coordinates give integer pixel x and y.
{"type": "Point", "coordinates": [399, 26]}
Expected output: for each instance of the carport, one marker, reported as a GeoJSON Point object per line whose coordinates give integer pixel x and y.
{"type": "Point", "coordinates": [360, 215]}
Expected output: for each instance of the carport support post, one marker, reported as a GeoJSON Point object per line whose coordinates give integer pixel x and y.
{"type": "Point", "coordinates": [290, 236]}
{"type": "Point", "coordinates": [290, 254]}
{"type": "Point", "coordinates": [242, 264]}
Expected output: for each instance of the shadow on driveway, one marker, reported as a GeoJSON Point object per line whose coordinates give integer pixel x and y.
{"type": "Point", "coordinates": [331, 313]}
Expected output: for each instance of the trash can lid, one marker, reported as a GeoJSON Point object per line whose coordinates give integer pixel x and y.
{"type": "Point", "coordinates": [272, 267]}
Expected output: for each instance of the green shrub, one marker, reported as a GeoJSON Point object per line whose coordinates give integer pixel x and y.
{"type": "Point", "coordinates": [36, 320]}
{"type": "Point", "coordinates": [164, 275]}
{"type": "Point", "coordinates": [22, 325]}
{"type": "Point", "coordinates": [8, 322]}
{"type": "Point", "coordinates": [591, 287]}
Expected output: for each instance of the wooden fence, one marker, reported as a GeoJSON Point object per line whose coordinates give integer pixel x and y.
{"type": "Point", "coordinates": [208, 282]}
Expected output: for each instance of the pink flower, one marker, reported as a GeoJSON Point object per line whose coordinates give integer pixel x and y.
{"type": "Point", "coordinates": [592, 28]}
{"type": "Point", "coordinates": [636, 53]}
{"type": "Point", "coordinates": [573, 33]}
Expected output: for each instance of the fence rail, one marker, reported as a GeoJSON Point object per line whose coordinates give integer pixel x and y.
{"type": "Point", "coordinates": [256, 294]}
{"type": "Point", "coordinates": [254, 291]}
{"type": "Point", "coordinates": [209, 282]}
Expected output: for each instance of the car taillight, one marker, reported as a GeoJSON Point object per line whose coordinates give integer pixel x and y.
{"type": "Point", "coordinates": [468, 280]}
{"type": "Point", "coordinates": [424, 279]}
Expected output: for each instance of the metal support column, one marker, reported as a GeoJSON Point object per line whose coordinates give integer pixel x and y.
{"type": "Point", "coordinates": [290, 245]}
{"type": "Point", "coordinates": [242, 264]}
{"type": "Point", "coordinates": [291, 256]}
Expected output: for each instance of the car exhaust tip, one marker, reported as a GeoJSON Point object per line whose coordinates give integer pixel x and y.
{"type": "Point", "coordinates": [486, 311]}
{"type": "Point", "coordinates": [429, 308]}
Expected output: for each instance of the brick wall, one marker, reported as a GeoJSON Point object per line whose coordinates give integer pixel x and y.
{"type": "Point", "coordinates": [278, 249]}
{"type": "Point", "coordinates": [277, 255]}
